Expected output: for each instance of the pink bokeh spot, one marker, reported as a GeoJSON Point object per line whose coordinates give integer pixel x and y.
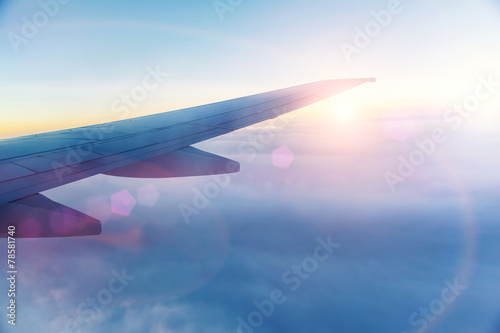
{"type": "Point", "coordinates": [283, 157]}
{"type": "Point", "coordinates": [148, 195]}
{"type": "Point", "coordinates": [122, 203]}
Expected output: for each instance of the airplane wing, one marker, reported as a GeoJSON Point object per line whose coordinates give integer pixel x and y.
{"type": "Point", "coordinates": [155, 146]}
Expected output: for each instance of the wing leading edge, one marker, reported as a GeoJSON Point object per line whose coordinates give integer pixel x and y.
{"type": "Point", "coordinates": [159, 143]}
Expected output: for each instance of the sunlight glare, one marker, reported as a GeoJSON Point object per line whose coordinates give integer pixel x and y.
{"type": "Point", "coordinates": [344, 113]}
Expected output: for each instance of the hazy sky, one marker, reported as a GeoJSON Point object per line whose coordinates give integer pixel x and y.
{"type": "Point", "coordinates": [73, 68]}
{"type": "Point", "coordinates": [400, 245]}
{"type": "Point", "coordinates": [396, 249]}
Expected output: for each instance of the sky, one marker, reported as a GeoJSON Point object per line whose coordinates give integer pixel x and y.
{"type": "Point", "coordinates": [342, 169]}
{"type": "Point", "coordinates": [89, 53]}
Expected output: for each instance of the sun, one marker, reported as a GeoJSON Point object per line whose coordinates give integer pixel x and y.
{"type": "Point", "coordinates": [343, 113]}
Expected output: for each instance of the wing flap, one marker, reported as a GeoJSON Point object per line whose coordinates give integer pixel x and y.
{"type": "Point", "coordinates": [38, 217]}
{"type": "Point", "coordinates": [185, 162]}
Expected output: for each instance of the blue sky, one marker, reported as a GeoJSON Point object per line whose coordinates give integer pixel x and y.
{"type": "Point", "coordinates": [396, 247]}
{"type": "Point", "coordinates": [91, 52]}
